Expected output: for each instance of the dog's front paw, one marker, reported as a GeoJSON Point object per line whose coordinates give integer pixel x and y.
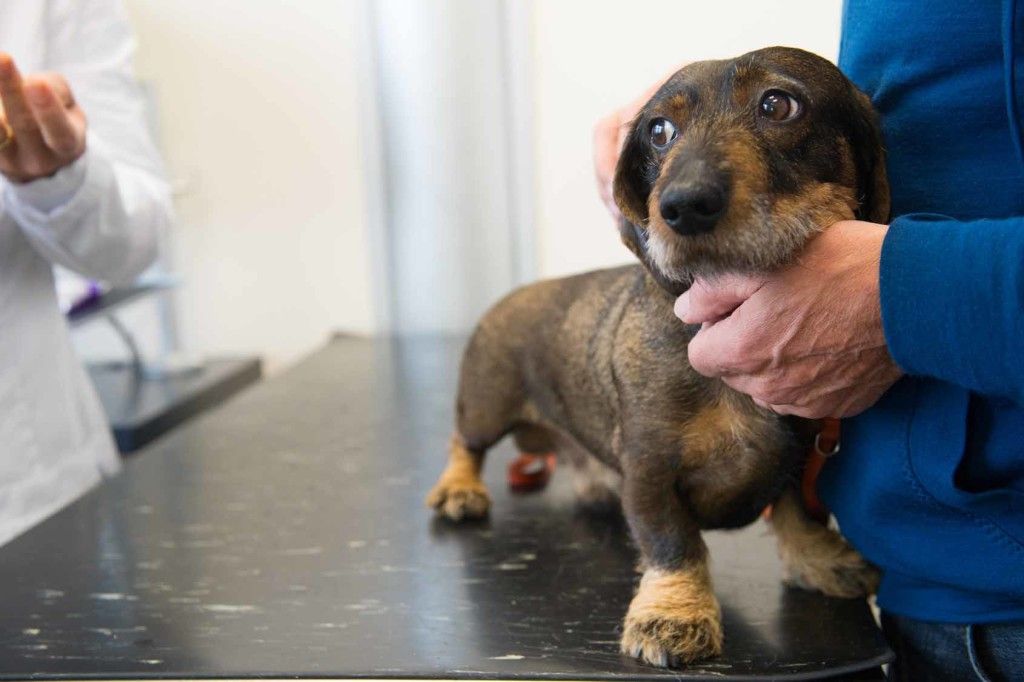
{"type": "Point", "coordinates": [674, 619]}
{"type": "Point", "coordinates": [459, 499]}
{"type": "Point", "coordinates": [830, 565]}
{"type": "Point", "coordinates": [669, 642]}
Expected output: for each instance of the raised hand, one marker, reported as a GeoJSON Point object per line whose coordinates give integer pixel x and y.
{"type": "Point", "coordinates": [42, 129]}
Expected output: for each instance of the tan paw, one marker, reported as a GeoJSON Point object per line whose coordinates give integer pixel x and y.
{"type": "Point", "coordinates": [460, 500]}
{"type": "Point", "coordinates": [674, 618]}
{"type": "Point", "coordinates": [830, 565]}
{"type": "Point", "coordinates": [670, 642]}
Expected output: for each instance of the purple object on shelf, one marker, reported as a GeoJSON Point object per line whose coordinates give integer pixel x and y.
{"type": "Point", "coordinates": [88, 298]}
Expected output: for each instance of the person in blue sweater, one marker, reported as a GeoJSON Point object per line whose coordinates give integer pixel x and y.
{"type": "Point", "coordinates": [912, 332]}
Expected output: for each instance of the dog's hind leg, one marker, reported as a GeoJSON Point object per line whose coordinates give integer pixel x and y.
{"type": "Point", "coordinates": [816, 557]}
{"type": "Point", "coordinates": [534, 439]}
{"type": "Point", "coordinates": [488, 405]}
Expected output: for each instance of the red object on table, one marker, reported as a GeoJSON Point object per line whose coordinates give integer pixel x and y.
{"type": "Point", "coordinates": [529, 472]}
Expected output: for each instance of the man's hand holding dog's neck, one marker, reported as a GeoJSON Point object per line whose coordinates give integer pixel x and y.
{"type": "Point", "coordinates": [805, 341]}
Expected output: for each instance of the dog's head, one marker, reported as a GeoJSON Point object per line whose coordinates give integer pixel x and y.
{"type": "Point", "coordinates": [733, 165]}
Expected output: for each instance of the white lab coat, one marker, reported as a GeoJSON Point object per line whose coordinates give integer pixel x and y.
{"type": "Point", "coordinates": [100, 217]}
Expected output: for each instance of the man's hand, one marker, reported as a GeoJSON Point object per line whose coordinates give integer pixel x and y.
{"type": "Point", "coordinates": [609, 136]}
{"type": "Point", "coordinates": [806, 341]}
{"type": "Point", "coordinates": [41, 128]}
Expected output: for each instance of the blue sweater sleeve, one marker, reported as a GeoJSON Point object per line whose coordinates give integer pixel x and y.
{"type": "Point", "coordinates": [953, 301]}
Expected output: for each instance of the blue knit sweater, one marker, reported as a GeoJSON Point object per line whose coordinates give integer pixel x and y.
{"type": "Point", "coordinates": [930, 482]}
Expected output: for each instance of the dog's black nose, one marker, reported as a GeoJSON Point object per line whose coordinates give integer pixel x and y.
{"type": "Point", "coordinates": [692, 208]}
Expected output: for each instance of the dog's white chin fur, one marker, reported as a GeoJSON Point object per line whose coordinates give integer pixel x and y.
{"type": "Point", "coordinates": [664, 256]}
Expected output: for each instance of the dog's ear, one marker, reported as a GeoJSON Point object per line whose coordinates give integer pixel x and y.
{"type": "Point", "coordinates": [632, 186]}
{"type": "Point", "coordinates": [873, 200]}
{"type": "Point", "coordinates": [634, 238]}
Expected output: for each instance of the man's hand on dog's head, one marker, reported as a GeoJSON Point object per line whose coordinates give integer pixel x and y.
{"type": "Point", "coordinates": [806, 341]}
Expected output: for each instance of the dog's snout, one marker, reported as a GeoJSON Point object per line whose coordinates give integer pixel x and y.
{"type": "Point", "coordinates": [692, 208]}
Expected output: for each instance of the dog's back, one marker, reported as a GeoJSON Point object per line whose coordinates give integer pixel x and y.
{"type": "Point", "coordinates": [547, 353]}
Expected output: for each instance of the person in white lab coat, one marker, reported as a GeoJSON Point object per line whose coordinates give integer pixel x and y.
{"type": "Point", "coordinates": [81, 186]}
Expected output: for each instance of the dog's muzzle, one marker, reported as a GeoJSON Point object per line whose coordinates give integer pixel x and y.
{"type": "Point", "coordinates": [695, 199]}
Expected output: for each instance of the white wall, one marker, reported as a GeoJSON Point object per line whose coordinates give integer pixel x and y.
{"type": "Point", "coordinates": [591, 57]}
{"type": "Point", "coordinates": [261, 110]}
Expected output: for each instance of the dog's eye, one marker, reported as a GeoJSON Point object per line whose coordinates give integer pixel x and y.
{"type": "Point", "coordinates": [778, 106]}
{"type": "Point", "coordinates": [662, 132]}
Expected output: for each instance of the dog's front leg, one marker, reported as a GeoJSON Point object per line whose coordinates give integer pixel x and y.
{"type": "Point", "coordinates": [674, 617]}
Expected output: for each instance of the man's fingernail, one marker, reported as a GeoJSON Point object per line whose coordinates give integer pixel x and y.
{"type": "Point", "coordinates": [682, 306]}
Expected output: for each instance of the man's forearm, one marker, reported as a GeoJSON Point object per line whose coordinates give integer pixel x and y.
{"type": "Point", "coordinates": [952, 297]}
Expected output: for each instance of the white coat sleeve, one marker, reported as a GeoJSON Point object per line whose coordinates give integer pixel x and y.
{"type": "Point", "coordinates": [102, 215]}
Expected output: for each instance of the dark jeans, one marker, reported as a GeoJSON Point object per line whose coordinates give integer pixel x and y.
{"type": "Point", "coordinates": [935, 652]}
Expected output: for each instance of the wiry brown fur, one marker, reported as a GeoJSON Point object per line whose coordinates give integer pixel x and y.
{"type": "Point", "coordinates": [596, 363]}
{"type": "Point", "coordinates": [677, 608]}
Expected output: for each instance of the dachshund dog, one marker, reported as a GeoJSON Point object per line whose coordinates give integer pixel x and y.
{"type": "Point", "coordinates": [732, 166]}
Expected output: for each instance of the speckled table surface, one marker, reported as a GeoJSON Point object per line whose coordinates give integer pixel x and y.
{"type": "Point", "coordinates": [284, 534]}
